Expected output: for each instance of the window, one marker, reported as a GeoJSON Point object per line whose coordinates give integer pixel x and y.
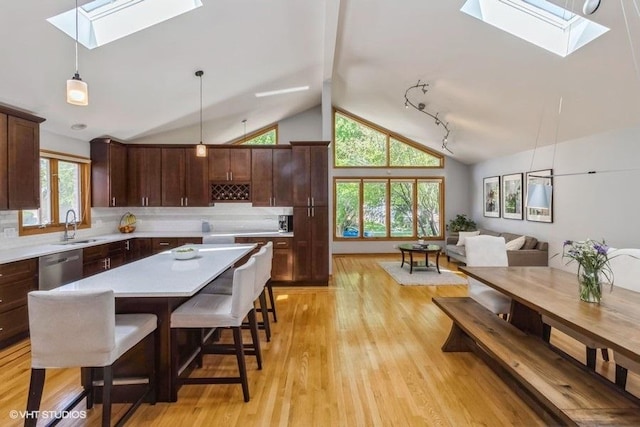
{"type": "Point", "coordinates": [64, 185]}
{"type": "Point", "coordinates": [264, 136]}
{"type": "Point", "coordinates": [539, 22]}
{"type": "Point", "coordinates": [390, 208]}
{"type": "Point", "coordinates": [103, 21]}
{"type": "Point", "coordinates": [360, 144]}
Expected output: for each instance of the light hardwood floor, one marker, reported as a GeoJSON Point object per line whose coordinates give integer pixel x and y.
{"type": "Point", "coordinates": [362, 352]}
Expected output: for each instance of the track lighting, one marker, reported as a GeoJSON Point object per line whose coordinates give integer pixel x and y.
{"type": "Point", "coordinates": [422, 108]}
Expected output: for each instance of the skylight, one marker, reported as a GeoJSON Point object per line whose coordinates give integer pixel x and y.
{"type": "Point", "coordinates": [540, 22]}
{"type": "Point", "coordinates": [103, 21]}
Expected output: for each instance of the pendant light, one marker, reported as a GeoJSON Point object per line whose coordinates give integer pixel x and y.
{"type": "Point", "coordinates": [201, 149]}
{"type": "Point", "coordinates": [77, 90]}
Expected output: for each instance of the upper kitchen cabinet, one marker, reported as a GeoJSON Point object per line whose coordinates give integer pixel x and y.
{"type": "Point", "coordinates": [144, 173]}
{"type": "Point", "coordinates": [271, 176]}
{"type": "Point", "coordinates": [19, 160]}
{"type": "Point", "coordinates": [185, 179]}
{"type": "Point", "coordinates": [229, 164]}
{"type": "Point", "coordinates": [310, 173]}
{"type": "Point", "coordinates": [108, 173]}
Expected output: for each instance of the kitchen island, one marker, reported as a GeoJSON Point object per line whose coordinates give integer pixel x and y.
{"type": "Point", "coordinates": [158, 284]}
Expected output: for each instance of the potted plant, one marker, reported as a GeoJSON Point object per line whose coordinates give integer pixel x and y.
{"type": "Point", "coordinates": [461, 223]}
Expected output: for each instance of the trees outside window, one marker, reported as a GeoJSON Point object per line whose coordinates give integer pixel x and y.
{"type": "Point", "coordinates": [360, 144]}
{"type": "Point", "coordinates": [64, 185]}
{"type": "Point", "coordinates": [398, 208]}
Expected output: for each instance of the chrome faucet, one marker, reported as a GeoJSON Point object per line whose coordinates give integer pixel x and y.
{"type": "Point", "coordinates": [67, 223]}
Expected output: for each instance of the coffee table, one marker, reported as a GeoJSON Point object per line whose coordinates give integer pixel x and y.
{"type": "Point", "coordinates": [422, 249]}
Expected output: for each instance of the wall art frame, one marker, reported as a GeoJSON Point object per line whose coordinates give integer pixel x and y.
{"type": "Point", "coordinates": [491, 196]}
{"type": "Point", "coordinates": [543, 177]}
{"type": "Point", "coordinates": [512, 200]}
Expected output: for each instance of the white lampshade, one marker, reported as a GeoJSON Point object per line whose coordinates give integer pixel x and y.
{"type": "Point", "coordinates": [201, 150]}
{"type": "Point", "coordinates": [77, 91]}
{"type": "Point", "coordinates": [539, 196]}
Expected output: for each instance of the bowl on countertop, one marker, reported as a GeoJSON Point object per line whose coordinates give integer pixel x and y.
{"type": "Point", "coordinates": [184, 252]}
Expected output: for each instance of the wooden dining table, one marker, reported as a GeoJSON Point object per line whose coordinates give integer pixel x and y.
{"type": "Point", "coordinates": [537, 291]}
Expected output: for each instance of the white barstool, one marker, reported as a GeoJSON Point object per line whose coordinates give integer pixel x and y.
{"type": "Point", "coordinates": [220, 311]}
{"type": "Point", "coordinates": [80, 329]}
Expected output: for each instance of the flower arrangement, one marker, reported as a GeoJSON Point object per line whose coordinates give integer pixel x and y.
{"type": "Point", "coordinates": [593, 266]}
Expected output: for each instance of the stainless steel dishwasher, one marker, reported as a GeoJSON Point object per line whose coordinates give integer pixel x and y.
{"type": "Point", "coordinates": [59, 269]}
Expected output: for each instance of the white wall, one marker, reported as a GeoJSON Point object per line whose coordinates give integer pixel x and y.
{"type": "Point", "coordinates": [62, 144]}
{"type": "Point", "coordinates": [604, 205]}
{"type": "Point", "coordinates": [306, 126]}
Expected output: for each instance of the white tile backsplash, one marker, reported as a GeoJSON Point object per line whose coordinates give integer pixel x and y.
{"type": "Point", "coordinates": [222, 217]}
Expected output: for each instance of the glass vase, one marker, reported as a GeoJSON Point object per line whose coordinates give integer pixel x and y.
{"type": "Point", "coordinates": [590, 286]}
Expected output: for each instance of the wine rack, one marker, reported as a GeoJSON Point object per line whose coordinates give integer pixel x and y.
{"type": "Point", "coordinates": [230, 192]}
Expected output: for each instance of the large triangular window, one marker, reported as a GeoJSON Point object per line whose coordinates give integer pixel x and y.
{"type": "Point", "coordinates": [361, 144]}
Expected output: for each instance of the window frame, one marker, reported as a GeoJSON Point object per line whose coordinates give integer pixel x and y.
{"type": "Point", "coordinates": [242, 140]}
{"type": "Point", "coordinates": [416, 180]}
{"type": "Point", "coordinates": [389, 135]}
{"type": "Point", "coordinates": [57, 223]}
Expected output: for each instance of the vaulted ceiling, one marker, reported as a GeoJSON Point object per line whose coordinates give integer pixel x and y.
{"type": "Point", "coordinates": [494, 90]}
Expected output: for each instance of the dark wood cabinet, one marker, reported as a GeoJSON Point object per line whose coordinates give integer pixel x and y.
{"type": "Point", "coordinates": [108, 173]}
{"type": "Point", "coordinates": [282, 263]}
{"type": "Point", "coordinates": [311, 244]}
{"type": "Point", "coordinates": [161, 244]}
{"type": "Point", "coordinates": [17, 279]}
{"type": "Point", "coordinates": [310, 212]}
{"type": "Point", "coordinates": [136, 249]}
{"type": "Point", "coordinates": [144, 176]}
{"type": "Point", "coordinates": [19, 160]}
{"type": "Point", "coordinates": [229, 164]}
{"type": "Point", "coordinates": [271, 177]}
{"type": "Point", "coordinates": [185, 180]}
{"type": "Point", "coordinates": [310, 162]}
{"type": "Point", "coordinates": [96, 259]}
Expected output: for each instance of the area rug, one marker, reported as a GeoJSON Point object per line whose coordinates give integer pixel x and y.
{"type": "Point", "coordinates": [421, 276]}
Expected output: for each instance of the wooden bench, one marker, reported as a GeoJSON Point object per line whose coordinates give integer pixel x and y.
{"type": "Point", "coordinates": [557, 387]}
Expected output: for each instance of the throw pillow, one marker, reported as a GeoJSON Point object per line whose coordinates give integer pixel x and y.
{"type": "Point", "coordinates": [515, 244]}
{"type": "Point", "coordinates": [464, 234]}
{"type": "Point", "coordinates": [530, 243]}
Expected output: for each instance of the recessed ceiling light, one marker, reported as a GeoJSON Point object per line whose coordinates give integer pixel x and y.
{"type": "Point", "coordinates": [281, 91]}
{"type": "Point", "coordinates": [78, 126]}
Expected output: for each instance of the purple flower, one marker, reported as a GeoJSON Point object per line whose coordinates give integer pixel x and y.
{"type": "Point", "coordinates": [600, 248]}
{"type": "Point", "coordinates": [568, 242]}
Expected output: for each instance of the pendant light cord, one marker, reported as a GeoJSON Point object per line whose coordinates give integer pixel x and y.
{"type": "Point", "coordinates": [201, 107]}
{"type": "Point", "coordinates": [77, 69]}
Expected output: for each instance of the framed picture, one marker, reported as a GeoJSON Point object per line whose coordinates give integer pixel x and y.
{"type": "Point", "coordinates": [512, 196]}
{"type": "Point", "coordinates": [492, 196]}
{"type": "Point", "coordinates": [539, 213]}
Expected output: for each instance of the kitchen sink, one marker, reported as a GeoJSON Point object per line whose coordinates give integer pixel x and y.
{"type": "Point", "coordinates": [77, 242]}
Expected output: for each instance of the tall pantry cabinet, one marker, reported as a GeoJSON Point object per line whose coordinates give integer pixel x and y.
{"type": "Point", "coordinates": [310, 211]}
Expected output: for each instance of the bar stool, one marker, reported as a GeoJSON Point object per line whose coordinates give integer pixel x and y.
{"type": "Point", "coordinates": [223, 284]}
{"type": "Point", "coordinates": [221, 311]}
{"type": "Point", "coordinates": [80, 329]}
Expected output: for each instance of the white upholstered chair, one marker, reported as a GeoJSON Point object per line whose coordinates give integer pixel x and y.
{"type": "Point", "coordinates": [80, 329]}
{"type": "Point", "coordinates": [487, 251]}
{"type": "Point", "coordinates": [221, 311]}
{"type": "Point", "coordinates": [625, 265]}
{"type": "Point", "coordinates": [223, 284]}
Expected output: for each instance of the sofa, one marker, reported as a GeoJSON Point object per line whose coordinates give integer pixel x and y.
{"type": "Point", "coordinates": [532, 253]}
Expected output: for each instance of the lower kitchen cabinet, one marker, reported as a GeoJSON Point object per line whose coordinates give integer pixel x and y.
{"type": "Point", "coordinates": [282, 263]}
{"type": "Point", "coordinates": [161, 244]}
{"type": "Point", "coordinates": [311, 244]}
{"type": "Point", "coordinates": [136, 249]}
{"type": "Point", "coordinates": [17, 279]}
{"type": "Point", "coordinates": [96, 259]}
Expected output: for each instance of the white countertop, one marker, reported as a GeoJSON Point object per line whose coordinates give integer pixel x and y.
{"type": "Point", "coordinates": [161, 275]}
{"type": "Point", "coordinates": [35, 251]}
